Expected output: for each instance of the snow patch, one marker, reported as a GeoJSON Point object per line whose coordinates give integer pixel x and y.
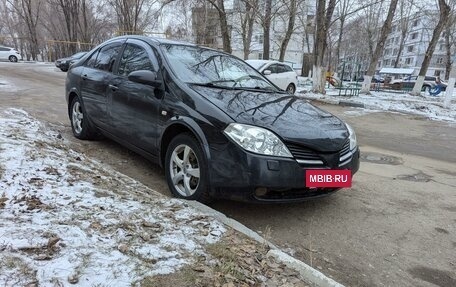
{"type": "Point", "coordinates": [66, 218]}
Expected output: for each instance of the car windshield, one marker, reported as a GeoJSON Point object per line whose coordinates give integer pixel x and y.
{"type": "Point", "coordinates": [197, 65]}
{"type": "Point", "coordinates": [256, 64]}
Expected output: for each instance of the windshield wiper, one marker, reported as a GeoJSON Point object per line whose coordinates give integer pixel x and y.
{"type": "Point", "coordinates": [212, 84]}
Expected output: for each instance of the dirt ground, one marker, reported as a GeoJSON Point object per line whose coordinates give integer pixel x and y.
{"type": "Point", "coordinates": [395, 227]}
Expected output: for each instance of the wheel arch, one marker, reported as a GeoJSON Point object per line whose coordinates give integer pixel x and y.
{"type": "Point", "coordinates": [71, 95]}
{"type": "Point", "coordinates": [179, 126]}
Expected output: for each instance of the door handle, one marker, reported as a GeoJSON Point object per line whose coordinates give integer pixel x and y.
{"type": "Point", "coordinates": [84, 77]}
{"type": "Point", "coordinates": [113, 87]}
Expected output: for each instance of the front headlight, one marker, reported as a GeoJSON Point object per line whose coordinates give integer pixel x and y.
{"type": "Point", "coordinates": [352, 137]}
{"type": "Point", "coordinates": [257, 140]}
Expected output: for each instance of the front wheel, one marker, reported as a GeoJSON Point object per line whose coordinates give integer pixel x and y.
{"type": "Point", "coordinates": [186, 169]}
{"type": "Point", "coordinates": [13, 59]}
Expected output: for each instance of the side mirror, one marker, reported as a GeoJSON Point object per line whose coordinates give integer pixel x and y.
{"type": "Point", "coordinates": [267, 72]}
{"type": "Point", "coordinates": [145, 77]}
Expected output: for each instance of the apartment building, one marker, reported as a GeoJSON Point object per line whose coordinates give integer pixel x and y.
{"type": "Point", "coordinates": [415, 43]}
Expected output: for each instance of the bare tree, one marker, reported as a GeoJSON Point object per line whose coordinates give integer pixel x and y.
{"type": "Point", "coordinates": [450, 42]}
{"type": "Point", "coordinates": [219, 5]}
{"type": "Point", "coordinates": [133, 15]}
{"type": "Point", "coordinates": [292, 9]}
{"type": "Point", "coordinates": [445, 10]}
{"type": "Point", "coordinates": [386, 29]}
{"type": "Point", "coordinates": [29, 12]}
{"type": "Point", "coordinates": [323, 20]}
{"type": "Point", "coordinates": [247, 15]}
{"type": "Point", "coordinates": [345, 10]}
{"type": "Point", "coordinates": [405, 10]}
{"type": "Point", "coordinates": [266, 23]}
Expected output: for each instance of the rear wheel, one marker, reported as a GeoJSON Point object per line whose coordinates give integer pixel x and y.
{"type": "Point", "coordinates": [12, 58]}
{"type": "Point", "coordinates": [291, 89]}
{"type": "Point", "coordinates": [186, 169]}
{"type": "Point", "coordinates": [82, 129]}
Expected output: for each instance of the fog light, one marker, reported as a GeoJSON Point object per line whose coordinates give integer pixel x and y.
{"type": "Point", "coordinates": [261, 191]}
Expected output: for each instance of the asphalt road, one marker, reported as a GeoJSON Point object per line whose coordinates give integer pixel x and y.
{"type": "Point", "coordinates": [395, 227]}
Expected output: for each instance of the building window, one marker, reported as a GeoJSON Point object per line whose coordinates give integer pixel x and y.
{"type": "Point", "coordinates": [397, 40]}
{"type": "Point", "coordinates": [440, 60]}
{"type": "Point", "coordinates": [260, 56]}
{"type": "Point", "coordinates": [415, 23]}
{"type": "Point", "coordinates": [437, 73]}
{"type": "Point", "coordinates": [414, 36]}
{"type": "Point", "coordinates": [393, 62]}
{"type": "Point", "coordinates": [441, 47]}
{"type": "Point", "coordinates": [410, 49]}
{"type": "Point", "coordinates": [385, 62]}
{"type": "Point", "coordinates": [408, 61]}
{"type": "Point", "coordinates": [395, 52]}
{"type": "Point", "coordinates": [259, 38]}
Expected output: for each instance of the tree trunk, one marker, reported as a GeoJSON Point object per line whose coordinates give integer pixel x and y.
{"type": "Point", "coordinates": [444, 15]}
{"type": "Point", "coordinates": [226, 37]}
{"type": "Point", "coordinates": [379, 48]}
{"type": "Point", "coordinates": [448, 60]}
{"type": "Point", "coordinates": [339, 40]}
{"type": "Point", "coordinates": [267, 29]}
{"type": "Point", "coordinates": [291, 22]}
{"type": "Point", "coordinates": [226, 33]}
{"type": "Point", "coordinates": [323, 18]}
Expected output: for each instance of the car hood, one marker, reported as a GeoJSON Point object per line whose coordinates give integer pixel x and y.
{"type": "Point", "coordinates": [64, 59]}
{"type": "Point", "coordinates": [293, 118]}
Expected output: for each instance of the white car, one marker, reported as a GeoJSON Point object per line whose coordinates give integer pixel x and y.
{"type": "Point", "coordinates": [280, 74]}
{"type": "Point", "coordinates": [10, 54]}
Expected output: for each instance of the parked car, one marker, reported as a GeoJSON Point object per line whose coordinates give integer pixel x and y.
{"type": "Point", "coordinates": [64, 63]}
{"type": "Point", "coordinates": [217, 126]}
{"type": "Point", "coordinates": [375, 79]}
{"type": "Point", "coordinates": [409, 82]}
{"type": "Point", "coordinates": [10, 54]}
{"type": "Point", "coordinates": [280, 74]}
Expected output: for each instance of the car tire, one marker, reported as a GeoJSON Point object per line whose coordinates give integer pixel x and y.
{"type": "Point", "coordinates": [291, 88]}
{"type": "Point", "coordinates": [12, 59]}
{"type": "Point", "coordinates": [80, 125]}
{"type": "Point", "coordinates": [186, 169]}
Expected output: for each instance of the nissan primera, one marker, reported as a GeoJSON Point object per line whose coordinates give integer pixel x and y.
{"type": "Point", "coordinates": [217, 126]}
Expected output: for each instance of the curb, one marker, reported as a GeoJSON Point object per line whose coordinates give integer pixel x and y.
{"type": "Point", "coordinates": [338, 102]}
{"type": "Point", "coordinates": [308, 273]}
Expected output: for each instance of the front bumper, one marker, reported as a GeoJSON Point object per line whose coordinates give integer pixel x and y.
{"type": "Point", "coordinates": [239, 175]}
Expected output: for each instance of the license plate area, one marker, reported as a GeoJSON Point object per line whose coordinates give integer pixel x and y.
{"type": "Point", "coordinates": [315, 178]}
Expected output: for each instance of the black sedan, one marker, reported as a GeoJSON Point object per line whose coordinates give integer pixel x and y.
{"type": "Point", "coordinates": [216, 125]}
{"type": "Point", "coordinates": [65, 63]}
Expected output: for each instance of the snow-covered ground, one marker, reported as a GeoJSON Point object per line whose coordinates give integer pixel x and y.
{"type": "Point", "coordinates": [428, 106]}
{"type": "Point", "coordinates": [67, 219]}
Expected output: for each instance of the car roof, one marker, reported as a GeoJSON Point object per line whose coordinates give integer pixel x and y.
{"type": "Point", "coordinates": [264, 61]}
{"type": "Point", "coordinates": [155, 40]}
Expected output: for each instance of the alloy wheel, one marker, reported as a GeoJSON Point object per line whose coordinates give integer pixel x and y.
{"type": "Point", "coordinates": [77, 116]}
{"type": "Point", "coordinates": [184, 170]}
